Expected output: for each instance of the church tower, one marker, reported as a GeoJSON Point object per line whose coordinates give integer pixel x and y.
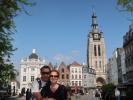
{"type": "Point", "coordinates": [96, 53]}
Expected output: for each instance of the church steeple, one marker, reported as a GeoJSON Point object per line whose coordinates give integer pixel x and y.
{"type": "Point", "coordinates": [94, 23]}
{"type": "Point", "coordinates": [96, 52]}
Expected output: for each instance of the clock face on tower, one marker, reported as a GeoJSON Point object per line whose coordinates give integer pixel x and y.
{"type": "Point", "coordinates": [96, 36]}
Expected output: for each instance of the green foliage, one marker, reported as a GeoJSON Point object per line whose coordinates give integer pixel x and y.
{"type": "Point", "coordinates": [108, 87]}
{"type": "Point", "coordinates": [126, 5]}
{"type": "Point", "coordinates": [8, 10]}
{"type": "Point", "coordinates": [108, 90]}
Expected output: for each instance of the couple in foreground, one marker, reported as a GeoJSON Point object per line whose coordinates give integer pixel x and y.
{"type": "Point", "coordinates": [47, 87]}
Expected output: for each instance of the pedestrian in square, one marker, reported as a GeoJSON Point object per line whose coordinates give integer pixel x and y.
{"type": "Point", "coordinates": [28, 94]}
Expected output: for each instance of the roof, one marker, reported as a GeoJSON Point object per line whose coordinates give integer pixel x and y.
{"type": "Point", "coordinates": [75, 64]}
{"type": "Point", "coordinates": [33, 56]}
{"type": "Point", "coordinates": [62, 64]}
{"type": "Point", "coordinates": [50, 65]}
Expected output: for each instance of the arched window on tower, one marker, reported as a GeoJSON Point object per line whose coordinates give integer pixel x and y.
{"type": "Point", "coordinates": [95, 64]}
{"type": "Point", "coordinates": [99, 50]}
{"type": "Point", "coordinates": [95, 50]}
{"type": "Point", "coordinates": [100, 65]}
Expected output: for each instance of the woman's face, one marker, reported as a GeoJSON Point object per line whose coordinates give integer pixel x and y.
{"type": "Point", "coordinates": [54, 77]}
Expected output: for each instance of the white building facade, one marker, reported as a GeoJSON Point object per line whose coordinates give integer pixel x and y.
{"type": "Point", "coordinates": [30, 70]}
{"type": "Point", "coordinates": [76, 75]}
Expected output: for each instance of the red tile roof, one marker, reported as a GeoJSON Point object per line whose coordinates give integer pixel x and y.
{"type": "Point", "coordinates": [75, 64]}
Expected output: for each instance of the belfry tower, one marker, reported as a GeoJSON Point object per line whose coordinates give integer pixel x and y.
{"type": "Point", "coordinates": [96, 53]}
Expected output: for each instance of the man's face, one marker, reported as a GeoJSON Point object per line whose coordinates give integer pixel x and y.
{"type": "Point", "coordinates": [45, 74]}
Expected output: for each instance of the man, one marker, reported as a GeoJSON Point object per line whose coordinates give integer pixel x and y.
{"type": "Point", "coordinates": [44, 71]}
{"type": "Point", "coordinates": [97, 94]}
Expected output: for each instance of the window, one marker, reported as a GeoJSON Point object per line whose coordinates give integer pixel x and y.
{"type": "Point", "coordinates": [63, 76]}
{"type": "Point", "coordinates": [72, 70]}
{"type": "Point", "coordinates": [72, 83]}
{"type": "Point", "coordinates": [76, 83]}
{"type": "Point", "coordinates": [79, 76]}
{"type": "Point", "coordinates": [79, 83]}
{"type": "Point", "coordinates": [99, 50]}
{"type": "Point", "coordinates": [24, 78]}
{"type": "Point", "coordinates": [75, 76]}
{"type": "Point", "coordinates": [24, 70]}
{"type": "Point", "coordinates": [62, 70]}
{"type": "Point", "coordinates": [84, 76]}
{"type": "Point", "coordinates": [32, 69]}
{"type": "Point", "coordinates": [84, 69]}
{"type": "Point", "coordinates": [95, 50]}
{"type": "Point", "coordinates": [100, 64]}
{"type": "Point", "coordinates": [72, 76]}
{"type": "Point", "coordinates": [67, 76]}
{"type": "Point", "coordinates": [85, 84]}
{"type": "Point", "coordinates": [79, 70]}
{"type": "Point", "coordinates": [96, 64]}
{"type": "Point", "coordinates": [32, 78]}
{"type": "Point", "coordinates": [75, 70]}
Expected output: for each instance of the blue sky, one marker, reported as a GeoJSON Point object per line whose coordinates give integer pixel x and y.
{"type": "Point", "coordinates": [58, 29]}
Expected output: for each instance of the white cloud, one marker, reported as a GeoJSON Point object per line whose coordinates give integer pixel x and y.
{"type": "Point", "coordinates": [61, 57]}
{"type": "Point", "coordinates": [67, 59]}
{"type": "Point", "coordinates": [75, 53]}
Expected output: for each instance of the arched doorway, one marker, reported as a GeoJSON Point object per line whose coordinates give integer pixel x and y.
{"type": "Point", "coordinates": [100, 81]}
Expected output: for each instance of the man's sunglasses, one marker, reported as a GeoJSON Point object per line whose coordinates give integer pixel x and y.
{"type": "Point", "coordinates": [55, 76]}
{"type": "Point", "coordinates": [45, 73]}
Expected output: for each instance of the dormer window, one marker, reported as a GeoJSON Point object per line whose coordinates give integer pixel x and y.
{"type": "Point", "coordinates": [62, 70]}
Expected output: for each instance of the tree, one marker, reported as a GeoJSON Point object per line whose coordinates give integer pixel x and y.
{"type": "Point", "coordinates": [8, 10]}
{"type": "Point", "coordinates": [107, 90]}
{"type": "Point", "coordinates": [125, 5]}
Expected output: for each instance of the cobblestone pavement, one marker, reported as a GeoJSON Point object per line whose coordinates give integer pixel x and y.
{"type": "Point", "coordinates": [75, 97]}
{"type": "Point", "coordinates": [17, 98]}
{"type": "Point", "coordinates": [21, 98]}
{"type": "Point", "coordinates": [84, 97]}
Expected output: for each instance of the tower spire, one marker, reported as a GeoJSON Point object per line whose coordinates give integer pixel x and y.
{"type": "Point", "coordinates": [94, 22]}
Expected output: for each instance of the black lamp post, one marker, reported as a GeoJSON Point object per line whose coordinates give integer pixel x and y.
{"type": "Point", "coordinates": [13, 90]}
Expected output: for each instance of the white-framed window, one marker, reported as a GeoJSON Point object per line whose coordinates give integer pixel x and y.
{"type": "Point", "coordinates": [79, 70]}
{"type": "Point", "coordinates": [75, 70]}
{"type": "Point", "coordinates": [72, 76]}
{"type": "Point", "coordinates": [24, 78]}
{"type": "Point", "coordinates": [79, 76]}
{"type": "Point", "coordinates": [32, 69]}
{"type": "Point", "coordinates": [72, 83]}
{"type": "Point", "coordinates": [72, 70]}
{"type": "Point", "coordinates": [79, 83]}
{"type": "Point", "coordinates": [32, 78]}
{"type": "Point", "coordinates": [75, 76]}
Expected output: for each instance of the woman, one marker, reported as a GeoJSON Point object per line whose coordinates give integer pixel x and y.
{"type": "Point", "coordinates": [54, 91]}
